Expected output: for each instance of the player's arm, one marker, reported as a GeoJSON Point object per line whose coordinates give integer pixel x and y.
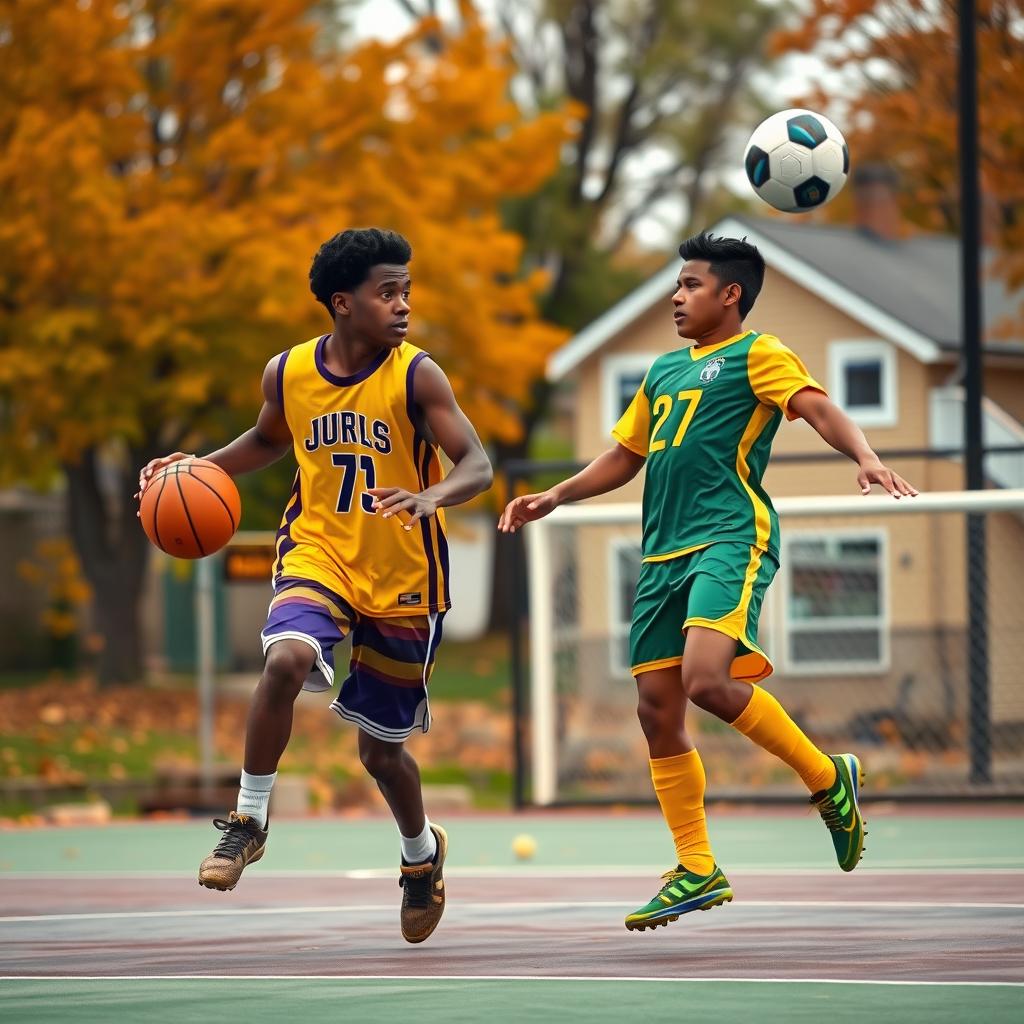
{"type": "Point", "coordinates": [838, 430]}
{"type": "Point", "coordinates": [449, 427]}
{"type": "Point", "coordinates": [610, 470]}
{"type": "Point", "coordinates": [257, 447]}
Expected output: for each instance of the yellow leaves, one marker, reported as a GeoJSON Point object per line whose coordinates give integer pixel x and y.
{"type": "Point", "coordinates": [59, 624]}
{"type": "Point", "coordinates": [191, 388]}
{"type": "Point", "coordinates": [54, 569]}
{"type": "Point", "coordinates": [162, 193]}
{"type": "Point", "coordinates": [52, 714]}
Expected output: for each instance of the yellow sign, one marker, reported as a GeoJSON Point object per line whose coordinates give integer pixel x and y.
{"type": "Point", "coordinates": [243, 562]}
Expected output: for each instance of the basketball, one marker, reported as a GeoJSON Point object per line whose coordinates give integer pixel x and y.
{"type": "Point", "coordinates": [190, 508]}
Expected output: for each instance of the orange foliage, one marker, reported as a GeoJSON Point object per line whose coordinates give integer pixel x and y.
{"type": "Point", "coordinates": [168, 169]}
{"type": "Point", "coordinates": [55, 570]}
{"type": "Point", "coordinates": [898, 104]}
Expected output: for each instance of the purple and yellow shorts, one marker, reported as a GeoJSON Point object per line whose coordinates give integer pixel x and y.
{"type": "Point", "coordinates": [385, 692]}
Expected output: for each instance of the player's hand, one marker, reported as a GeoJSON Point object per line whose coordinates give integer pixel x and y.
{"type": "Point", "coordinates": [526, 509]}
{"type": "Point", "coordinates": [392, 500]}
{"type": "Point", "coordinates": [873, 472]}
{"type": "Point", "coordinates": [154, 466]}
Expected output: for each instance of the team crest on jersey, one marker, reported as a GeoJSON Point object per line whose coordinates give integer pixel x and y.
{"type": "Point", "coordinates": [712, 368]}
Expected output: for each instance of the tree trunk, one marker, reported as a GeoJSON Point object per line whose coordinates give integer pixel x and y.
{"type": "Point", "coordinates": [114, 553]}
{"type": "Point", "coordinates": [117, 620]}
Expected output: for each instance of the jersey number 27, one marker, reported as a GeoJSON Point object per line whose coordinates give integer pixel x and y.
{"type": "Point", "coordinates": [663, 407]}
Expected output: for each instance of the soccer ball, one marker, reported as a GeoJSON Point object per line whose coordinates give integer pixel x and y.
{"type": "Point", "coordinates": [797, 160]}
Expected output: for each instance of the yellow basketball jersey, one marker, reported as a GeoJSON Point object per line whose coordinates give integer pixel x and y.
{"type": "Point", "coordinates": [351, 434]}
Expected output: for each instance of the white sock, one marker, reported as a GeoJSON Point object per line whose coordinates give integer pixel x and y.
{"type": "Point", "coordinates": [254, 796]}
{"type": "Point", "coordinates": [421, 848]}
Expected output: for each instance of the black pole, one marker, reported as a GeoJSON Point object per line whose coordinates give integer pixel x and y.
{"type": "Point", "coordinates": [979, 738]}
{"type": "Point", "coordinates": [517, 583]}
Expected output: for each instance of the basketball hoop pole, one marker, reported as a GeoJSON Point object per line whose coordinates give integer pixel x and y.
{"type": "Point", "coordinates": [972, 329]}
{"type": "Point", "coordinates": [205, 668]}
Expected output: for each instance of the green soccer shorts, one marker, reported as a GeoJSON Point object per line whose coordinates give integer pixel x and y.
{"type": "Point", "coordinates": [720, 586]}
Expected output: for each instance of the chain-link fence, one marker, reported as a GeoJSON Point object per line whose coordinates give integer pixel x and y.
{"type": "Point", "coordinates": [896, 635]}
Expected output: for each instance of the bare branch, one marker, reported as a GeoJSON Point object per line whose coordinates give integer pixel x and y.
{"type": "Point", "coordinates": [580, 37]}
{"type": "Point", "coordinates": [532, 64]}
{"type": "Point", "coordinates": [625, 136]}
{"type": "Point", "coordinates": [665, 183]}
{"type": "Point", "coordinates": [414, 12]}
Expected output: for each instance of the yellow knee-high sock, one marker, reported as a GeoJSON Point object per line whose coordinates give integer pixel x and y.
{"type": "Point", "coordinates": [679, 783]}
{"type": "Point", "coordinates": [764, 720]}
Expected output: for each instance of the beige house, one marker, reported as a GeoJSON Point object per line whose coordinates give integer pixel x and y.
{"type": "Point", "coordinates": [866, 622]}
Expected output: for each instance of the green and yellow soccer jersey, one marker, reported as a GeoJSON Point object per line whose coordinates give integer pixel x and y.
{"type": "Point", "coordinates": [705, 418]}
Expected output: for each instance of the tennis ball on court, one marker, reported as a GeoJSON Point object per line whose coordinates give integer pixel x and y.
{"type": "Point", "coordinates": [524, 846]}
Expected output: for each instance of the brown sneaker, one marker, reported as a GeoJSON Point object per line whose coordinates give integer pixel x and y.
{"type": "Point", "coordinates": [243, 843]}
{"type": "Point", "coordinates": [423, 897]}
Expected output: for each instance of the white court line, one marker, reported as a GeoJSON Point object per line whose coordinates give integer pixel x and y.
{"type": "Point", "coordinates": [502, 977]}
{"type": "Point", "coordinates": [128, 915]}
{"type": "Point", "coordinates": [510, 871]}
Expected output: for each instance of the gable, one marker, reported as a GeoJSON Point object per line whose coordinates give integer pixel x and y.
{"type": "Point", "coordinates": [658, 288]}
{"type": "Point", "coordinates": [661, 285]}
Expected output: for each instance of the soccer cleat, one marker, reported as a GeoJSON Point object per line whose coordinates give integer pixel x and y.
{"type": "Point", "coordinates": [243, 843]}
{"type": "Point", "coordinates": [840, 810]}
{"type": "Point", "coordinates": [423, 892]}
{"type": "Point", "coordinates": [682, 892]}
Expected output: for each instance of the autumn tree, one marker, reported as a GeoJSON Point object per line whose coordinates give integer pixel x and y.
{"type": "Point", "coordinates": [167, 170]}
{"type": "Point", "coordinates": [893, 86]}
{"type": "Point", "coordinates": [660, 85]}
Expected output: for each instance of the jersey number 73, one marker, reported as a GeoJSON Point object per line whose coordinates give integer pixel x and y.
{"type": "Point", "coordinates": [351, 464]}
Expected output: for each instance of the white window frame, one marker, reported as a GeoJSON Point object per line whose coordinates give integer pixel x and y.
{"type": "Point", "coordinates": [840, 355]}
{"type": "Point", "coordinates": [883, 620]}
{"type": "Point", "coordinates": [613, 368]}
{"type": "Point", "coordinates": [616, 629]}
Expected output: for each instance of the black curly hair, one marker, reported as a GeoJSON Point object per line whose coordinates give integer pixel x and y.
{"type": "Point", "coordinates": [732, 261]}
{"type": "Point", "coordinates": [343, 262]}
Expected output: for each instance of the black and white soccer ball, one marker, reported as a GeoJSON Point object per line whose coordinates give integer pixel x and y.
{"type": "Point", "coordinates": [797, 160]}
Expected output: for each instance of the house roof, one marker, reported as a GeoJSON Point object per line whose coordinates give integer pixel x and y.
{"type": "Point", "coordinates": [905, 291]}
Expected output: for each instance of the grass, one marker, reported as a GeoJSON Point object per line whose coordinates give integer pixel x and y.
{"type": "Point", "coordinates": [473, 670]}
{"type": "Point", "coordinates": [491, 789]}
{"type": "Point", "coordinates": [465, 670]}
{"type": "Point", "coordinates": [69, 736]}
{"type": "Point", "coordinates": [69, 753]}
{"type": "Point", "coordinates": [21, 680]}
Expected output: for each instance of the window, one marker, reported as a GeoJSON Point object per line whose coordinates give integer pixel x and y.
{"type": "Point", "coordinates": [862, 380]}
{"type": "Point", "coordinates": [621, 377]}
{"type": "Point", "coordinates": [836, 608]}
{"type": "Point", "coordinates": [624, 572]}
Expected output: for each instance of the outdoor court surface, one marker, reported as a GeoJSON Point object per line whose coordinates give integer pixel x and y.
{"type": "Point", "coordinates": [107, 924]}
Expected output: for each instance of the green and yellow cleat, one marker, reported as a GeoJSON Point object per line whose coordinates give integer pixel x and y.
{"type": "Point", "coordinates": [840, 810]}
{"type": "Point", "coordinates": [682, 892]}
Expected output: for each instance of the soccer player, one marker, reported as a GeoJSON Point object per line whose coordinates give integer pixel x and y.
{"type": "Point", "coordinates": [361, 549]}
{"type": "Point", "coordinates": [703, 422]}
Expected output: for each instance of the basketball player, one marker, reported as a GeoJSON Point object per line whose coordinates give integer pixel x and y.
{"type": "Point", "coordinates": [361, 549]}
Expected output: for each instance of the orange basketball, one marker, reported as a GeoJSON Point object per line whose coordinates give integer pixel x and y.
{"type": "Point", "coordinates": [190, 508]}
